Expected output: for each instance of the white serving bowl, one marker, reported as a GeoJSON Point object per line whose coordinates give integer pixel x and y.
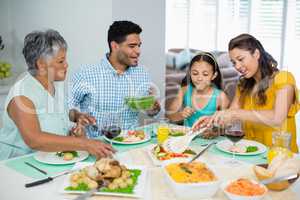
{"type": "Point", "coordinates": [232, 196]}
{"type": "Point", "coordinates": [191, 191]}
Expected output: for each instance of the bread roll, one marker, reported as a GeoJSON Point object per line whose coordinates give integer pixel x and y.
{"type": "Point", "coordinates": [277, 162]}
{"type": "Point", "coordinates": [290, 166]}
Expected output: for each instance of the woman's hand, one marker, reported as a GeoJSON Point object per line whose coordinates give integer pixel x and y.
{"type": "Point", "coordinates": [99, 149]}
{"type": "Point", "coordinates": [187, 112]}
{"type": "Point", "coordinates": [220, 118]}
{"type": "Point", "coordinates": [202, 122]}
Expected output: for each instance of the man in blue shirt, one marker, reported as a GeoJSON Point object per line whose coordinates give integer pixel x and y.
{"type": "Point", "coordinates": [100, 90]}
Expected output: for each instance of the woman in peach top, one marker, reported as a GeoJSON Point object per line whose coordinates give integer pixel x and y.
{"type": "Point", "coordinates": [266, 98]}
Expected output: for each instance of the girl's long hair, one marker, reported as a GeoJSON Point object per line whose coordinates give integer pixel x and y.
{"type": "Point", "coordinates": [209, 58]}
{"type": "Point", "coordinates": [266, 63]}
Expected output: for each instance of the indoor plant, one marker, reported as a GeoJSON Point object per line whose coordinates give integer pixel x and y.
{"type": "Point", "coordinates": [5, 67]}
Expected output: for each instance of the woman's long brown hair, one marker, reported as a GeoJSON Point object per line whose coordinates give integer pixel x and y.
{"type": "Point", "coordinates": [267, 65]}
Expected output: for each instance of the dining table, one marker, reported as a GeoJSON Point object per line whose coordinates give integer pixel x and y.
{"type": "Point", "coordinates": [15, 173]}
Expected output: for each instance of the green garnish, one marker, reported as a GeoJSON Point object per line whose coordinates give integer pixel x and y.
{"type": "Point", "coordinates": [119, 139]}
{"type": "Point", "coordinates": [176, 133]}
{"type": "Point", "coordinates": [251, 149]}
{"type": "Point", "coordinates": [189, 151]}
{"type": "Point", "coordinates": [80, 187]}
{"type": "Point", "coordinates": [61, 153]}
{"type": "Point", "coordinates": [184, 168]}
{"type": "Point", "coordinates": [134, 174]}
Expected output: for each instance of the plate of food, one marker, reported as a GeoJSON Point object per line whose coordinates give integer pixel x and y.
{"type": "Point", "coordinates": [195, 180]}
{"type": "Point", "coordinates": [244, 189]}
{"type": "Point", "coordinates": [109, 177]}
{"type": "Point", "coordinates": [158, 154]}
{"type": "Point", "coordinates": [243, 147]}
{"type": "Point", "coordinates": [60, 158]}
{"type": "Point", "coordinates": [130, 137]}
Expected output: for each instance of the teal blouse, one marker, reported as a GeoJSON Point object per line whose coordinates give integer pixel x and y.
{"type": "Point", "coordinates": [209, 109]}
{"type": "Point", "coordinates": [51, 112]}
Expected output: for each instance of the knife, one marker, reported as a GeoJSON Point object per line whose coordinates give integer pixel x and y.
{"type": "Point", "coordinates": [34, 167]}
{"type": "Point", "coordinates": [46, 180]}
{"type": "Point", "coordinates": [280, 178]}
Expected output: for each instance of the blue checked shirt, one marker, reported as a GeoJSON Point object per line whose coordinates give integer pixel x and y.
{"type": "Point", "coordinates": [99, 91]}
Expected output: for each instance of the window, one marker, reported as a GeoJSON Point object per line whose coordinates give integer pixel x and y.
{"type": "Point", "coordinates": [209, 25]}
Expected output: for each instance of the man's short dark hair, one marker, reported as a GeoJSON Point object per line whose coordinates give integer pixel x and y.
{"type": "Point", "coordinates": [120, 29]}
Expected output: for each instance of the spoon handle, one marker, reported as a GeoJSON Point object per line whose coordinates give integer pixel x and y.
{"type": "Point", "coordinates": [201, 152]}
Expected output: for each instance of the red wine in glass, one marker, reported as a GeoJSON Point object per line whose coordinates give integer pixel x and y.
{"type": "Point", "coordinates": [111, 131]}
{"type": "Point", "coordinates": [234, 136]}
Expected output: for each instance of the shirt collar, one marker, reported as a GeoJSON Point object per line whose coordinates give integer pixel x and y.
{"type": "Point", "coordinates": [112, 69]}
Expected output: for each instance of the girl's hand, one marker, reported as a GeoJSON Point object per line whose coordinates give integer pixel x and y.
{"type": "Point", "coordinates": [187, 112]}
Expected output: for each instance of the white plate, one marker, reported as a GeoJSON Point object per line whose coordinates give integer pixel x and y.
{"type": "Point", "coordinates": [138, 191]}
{"type": "Point", "coordinates": [224, 145]}
{"type": "Point", "coordinates": [124, 133]}
{"type": "Point", "coordinates": [157, 162]}
{"type": "Point", "coordinates": [53, 159]}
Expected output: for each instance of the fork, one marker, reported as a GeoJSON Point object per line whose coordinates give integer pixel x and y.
{"type": "Point", "coordinates": [86, 194]}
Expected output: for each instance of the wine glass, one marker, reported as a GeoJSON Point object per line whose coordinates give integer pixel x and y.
{"type": "Point", "coordinates": [111, 126]}
{"type": "Point", "coordinates": [234, 133]}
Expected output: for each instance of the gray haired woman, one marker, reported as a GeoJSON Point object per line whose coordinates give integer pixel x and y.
{"type": "Point", "coordinates": [35, 117]}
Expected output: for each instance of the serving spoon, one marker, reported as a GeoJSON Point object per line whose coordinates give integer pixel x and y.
{"type": "Point", "coordinates": [180, 144]}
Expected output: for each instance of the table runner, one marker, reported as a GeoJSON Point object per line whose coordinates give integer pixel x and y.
{"type": "Point", "coordinates": [18, 165]}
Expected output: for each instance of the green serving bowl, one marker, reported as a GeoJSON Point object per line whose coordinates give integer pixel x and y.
{"type": "Point", "coordinates": [140, 103]}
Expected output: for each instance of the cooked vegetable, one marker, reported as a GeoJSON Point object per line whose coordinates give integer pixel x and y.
{"type": "Point", "coordinates": [161, 154]}
{"type": "Point", "coordinates": [251, 149]}
{"type": "Point", "coordinates": [134, 174]}
{"type": "Point", "coordinates": [67, 155]}
{"type": "Point", "coordinates": [119, 139]}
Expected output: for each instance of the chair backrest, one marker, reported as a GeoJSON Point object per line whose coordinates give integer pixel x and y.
{"type": "Point", "coordinates": [229, 74]}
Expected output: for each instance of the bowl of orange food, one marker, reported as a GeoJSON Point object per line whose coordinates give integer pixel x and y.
{"type": "Point", "coordinates": [244, 189]}
{"type": "Point", "coordinates": [193, 180]}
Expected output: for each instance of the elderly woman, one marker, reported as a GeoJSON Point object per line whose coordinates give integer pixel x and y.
{"type": "Point", "coordinates": [35, 116]}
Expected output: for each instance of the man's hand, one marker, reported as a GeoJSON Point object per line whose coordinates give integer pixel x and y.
{"type": "Point", "coordinates": [84, 119]}
{"type": "Point", "coordinates": [78, 131]}
{"type": "Point", "coordinates": [154, 110]}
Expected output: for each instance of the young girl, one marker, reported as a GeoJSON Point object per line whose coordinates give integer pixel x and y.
{"type": "Point", "coordinates": [200, 94]}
